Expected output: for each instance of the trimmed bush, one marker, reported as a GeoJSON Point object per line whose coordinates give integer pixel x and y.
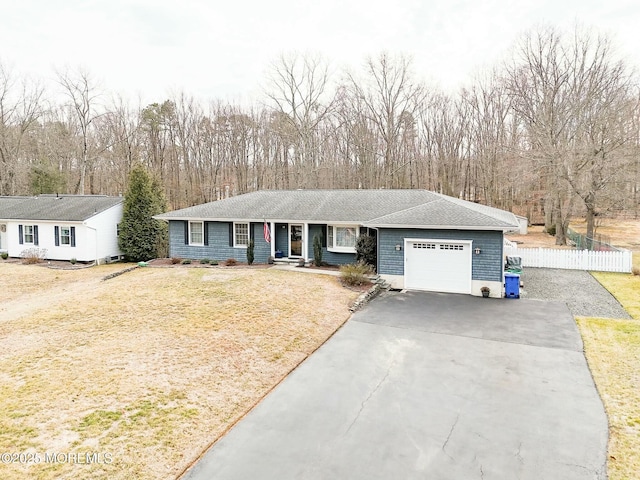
{"type": "Point", "coordinates": [355, 274]}
{"type": "Point", "coordinates": [250, 252]}
{"type": "Point", "coordinates": [366, 250]}
{"type": "Point", "coordinates": [186, 261]}
{"type": "Point", "coordinates": [230, 262]}
{"type": "Point", "coordinates": [73, 261]}
{"type": "Point", "coordinates": [317, 250]}
{"type": "Point", "coordinates": [175, 260]}
{"type": "Point", "coordinates": [213, 262]}
{"type": "Point", "coordinates": [4, 255]}
{"type": "Point", "coordinates": [205, 261]}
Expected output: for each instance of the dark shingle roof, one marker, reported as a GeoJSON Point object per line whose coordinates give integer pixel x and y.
{"type": "Point", "coordinates": [71, 208]}
{"type": "Point", "coordinates": [392, 208]}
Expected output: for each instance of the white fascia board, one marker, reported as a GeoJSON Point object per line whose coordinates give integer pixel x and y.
{"type": "Point", "coordinates": [34, 222]}
{"type": "Point", "coordinates": [438, 240]}
{"type": "Point", "coordinates": [260, 220]}
{"type": "Point", "coordinates": [441, 227]}
{"type": "Point", "coordinates": [103, 211]}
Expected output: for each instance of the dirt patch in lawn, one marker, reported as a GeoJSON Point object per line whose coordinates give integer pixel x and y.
{"type": "Point", "coordinates": [146, 369]}
{"type": "Point", "coordinates": [535, 237]}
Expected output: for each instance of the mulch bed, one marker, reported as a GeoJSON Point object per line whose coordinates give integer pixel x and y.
{"type": "Point", "coordinates": [167, 263]}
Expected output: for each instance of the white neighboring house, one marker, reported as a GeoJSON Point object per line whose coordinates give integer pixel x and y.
{"type": "Point", "coordinates": [84, 227]}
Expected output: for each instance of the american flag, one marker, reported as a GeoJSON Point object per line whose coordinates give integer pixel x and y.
{"type": "Point", "coordinates": [267, 233]}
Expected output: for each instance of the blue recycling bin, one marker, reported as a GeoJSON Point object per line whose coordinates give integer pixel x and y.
{"type": "Point", "coordinates": [512, 285]}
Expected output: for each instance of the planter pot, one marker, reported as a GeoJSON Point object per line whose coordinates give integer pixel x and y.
{"type": "Point", "coordinates": [485, 294]}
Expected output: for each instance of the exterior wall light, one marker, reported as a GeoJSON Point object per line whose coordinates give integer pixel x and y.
{"type": "Point", "coordinates": [398, 247]}
{"type": "Point", "coordinates": [477, 251]}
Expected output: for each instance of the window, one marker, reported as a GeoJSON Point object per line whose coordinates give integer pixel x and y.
{"type": "Point", "coordinates": [196, 233]}
{"type": "Point", "coordinates": [65, 236]}
{"type": "Point", "coordinates": [342, 238]}
{"type": "Point", "coordinates": [449, 246]}
{"type": "Point", "coordinates": [28, 234]}
{"type": "Point", "coordinates": [240, 234]}
{"type": "Point", "coordinates": [429, 246]}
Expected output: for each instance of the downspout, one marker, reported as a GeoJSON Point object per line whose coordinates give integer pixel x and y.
{"type": "Point", "coordinates": [377, 248]}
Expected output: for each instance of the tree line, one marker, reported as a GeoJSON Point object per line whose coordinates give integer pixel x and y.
{"type": "Point", "coordinates": [551, 133]}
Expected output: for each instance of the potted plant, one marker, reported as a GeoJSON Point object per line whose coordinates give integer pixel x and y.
{"type": "Point", "coordinates": [485, 291]}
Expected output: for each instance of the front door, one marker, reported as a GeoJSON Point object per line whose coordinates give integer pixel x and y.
{"type": "Point", "coordinates": [295, 240]}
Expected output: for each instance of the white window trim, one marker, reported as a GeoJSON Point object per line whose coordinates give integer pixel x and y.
{"type": "Point", "coordinates": [24, 234]}
{"type": "Point", "coordinates": [235, 241]}
{"type": "Point", "coordinates": [66, 245]}
{"type": "Point", "coordinates": [191, 242]}
{"type": "Point", "coordinates": [337, 249]}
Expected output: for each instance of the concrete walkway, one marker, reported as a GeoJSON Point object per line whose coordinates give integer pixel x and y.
{"type": "Point", "coordinates": [434, 386]}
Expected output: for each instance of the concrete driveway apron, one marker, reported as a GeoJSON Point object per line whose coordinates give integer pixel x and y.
{"type": "Point", "coordinates": [429, 386]}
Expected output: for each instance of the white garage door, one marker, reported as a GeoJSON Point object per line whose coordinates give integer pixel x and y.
{"type": "Point", "coordinates": [437, 265]}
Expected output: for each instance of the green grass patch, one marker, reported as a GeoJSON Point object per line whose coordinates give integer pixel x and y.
{"type": "Point", "coordinates": [612, 348]}
{"type": "Point", "coordinates": [625, 287]}
{"type": "Point", "coordinates": [98, 421]}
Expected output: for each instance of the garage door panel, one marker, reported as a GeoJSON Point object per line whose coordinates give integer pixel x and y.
{"type": "Point", "coordinates": [438, 266]}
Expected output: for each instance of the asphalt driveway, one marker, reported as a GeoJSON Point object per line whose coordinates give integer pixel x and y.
{"type": "Point", "coordinates": [436, 386]}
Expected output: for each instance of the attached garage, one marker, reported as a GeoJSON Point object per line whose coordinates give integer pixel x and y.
{"type": "Point", "coordinates": [438, 266]}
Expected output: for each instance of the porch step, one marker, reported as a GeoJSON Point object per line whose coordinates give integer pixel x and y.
{"type": "Point", "coordinates": [287, 261]}
{"type": "Point", "coordinates": [380, 281]}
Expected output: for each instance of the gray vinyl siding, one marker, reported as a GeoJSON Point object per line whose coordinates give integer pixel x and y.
{"type": "Point", "coordinates": [218, 240]}
{"type": "Point", "coordinates": [332, 258]}
{"type": "Point", "coordinates": [486, 266]}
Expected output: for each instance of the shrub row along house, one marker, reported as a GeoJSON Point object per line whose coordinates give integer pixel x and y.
{"type": "Point", "coordinates": [425, 240]}
{"type": "Point", "coordinates": [61, 227]}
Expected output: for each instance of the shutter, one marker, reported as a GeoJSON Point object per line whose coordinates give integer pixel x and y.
{"type": "Point", "coordinates": [231, 234]}
{"type": "Point", "coordinates": [323, 238]}
{"type": "Point", "coordinates": [35, 234]}
{"type": "Point", "coordinates": [206, 233]}
{"type": "Point", "coordinates": [186, 232]}
{"type": "Point", "coordinates": [73, 236]}
{"type": "Point", "coordinates": [251, 232]}
{"type": "Point", "coordinates": [56, 234]}
{"type": "Point", "coordinates": [20, 236]}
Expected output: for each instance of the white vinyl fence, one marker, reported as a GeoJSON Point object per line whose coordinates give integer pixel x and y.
{"type": "Point", "coordinates": [572, 259]}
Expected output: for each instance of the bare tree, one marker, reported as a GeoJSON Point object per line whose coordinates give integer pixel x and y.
{"type": "Point", "coordinates": [298, 86]}
{"type": "Point", "coordinates": [389, 94]}
{"type": "Point", "coordinates": [20, 110]}
{"type": "Point", "coordinates": [539, 86]}
{"type": "Point", "coordinates": [571, 95]}
{"type": "Point", "coordinates": [81, 90]}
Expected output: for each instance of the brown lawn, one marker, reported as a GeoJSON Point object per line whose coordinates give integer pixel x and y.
{"type": "Point", "coordinates": [623, 233]}
{"type": "Point", "coordinates": [535, 237]}
{"type": "Point", "coordinates": [148, 368]}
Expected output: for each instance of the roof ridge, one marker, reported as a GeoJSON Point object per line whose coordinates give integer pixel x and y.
{"type": "Point", "coordinates": [481, 206]}
{"type": "Point", "coordinates": [405, 209]}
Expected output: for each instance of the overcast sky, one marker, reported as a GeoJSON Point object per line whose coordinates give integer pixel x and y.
{"type": "Point", "coordinates": [222, 49]}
